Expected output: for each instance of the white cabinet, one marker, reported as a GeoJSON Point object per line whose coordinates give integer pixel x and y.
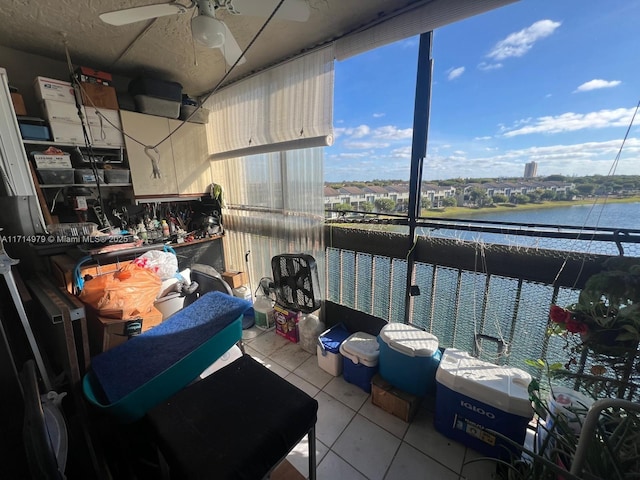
{"type": "Point", "coordinates": [149, 178]}
{"type": "Point", "coordinates": [191, 157]}
{"type": "Point", "coordinates": [183, 158]}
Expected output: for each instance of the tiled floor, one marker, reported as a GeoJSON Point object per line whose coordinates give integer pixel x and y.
{"type": "Point", "coordinates": [357, 440]}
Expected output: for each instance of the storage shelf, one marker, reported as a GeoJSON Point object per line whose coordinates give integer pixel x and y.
{"type": "Point", "coordinates": [63, 144]}
{"type": "Point", "coordinates": [90, 185]}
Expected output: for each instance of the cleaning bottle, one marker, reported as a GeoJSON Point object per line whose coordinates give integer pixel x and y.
{"type": "Point", "coordinates": [165, 228]}
{"type": "Point", "coordinates": [263, 309]}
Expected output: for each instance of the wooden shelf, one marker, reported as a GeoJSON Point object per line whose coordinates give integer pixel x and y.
{"type": "Point", "coordinates": [63, 144]}
{"type": "Point", "coordinates": [89, 185]}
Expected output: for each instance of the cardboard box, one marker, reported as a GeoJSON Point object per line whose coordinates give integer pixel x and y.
{"type": "Point", "coordinates": [105, 333]}
{"type": "Point", "coordinates": [286, 323]}
{"type": "Point", "coordinates": [52, 89]}
{"type": "Point", "coordinates": [52, 161]}
{"type": "Point", "coordinates": [393, 400]}
{"type": "Point", "coordinates": [56, 111]}
{"type": "Point", "coordinates": [86, 74]}
{"type": "Point", "coordinates": [99, 96]}
{"type": "Point", "coordinates": [111, 117]}
{"type": "Point", "coordinates": [235, 279]}
{"type": "Point", "coordinates": [106, 136]}
{"type": "Point", "coordinates": [66, 132]}
{"type": "Point", "coordinates": [18, 104]}
{"type": "Point", "coordinates": [62, 267]}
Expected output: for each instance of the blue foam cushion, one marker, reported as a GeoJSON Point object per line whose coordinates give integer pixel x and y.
{"type": "Point", "coordinates": [130, 365]}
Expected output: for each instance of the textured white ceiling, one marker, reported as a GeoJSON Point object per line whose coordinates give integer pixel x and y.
{"type": "Point", "coordinates": [166, 49]}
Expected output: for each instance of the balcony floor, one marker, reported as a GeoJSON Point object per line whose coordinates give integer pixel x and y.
{"type": "Point", "coordinates": [357, 440]}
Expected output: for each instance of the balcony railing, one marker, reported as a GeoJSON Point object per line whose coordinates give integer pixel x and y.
{"type": "Point", "coordinates": [489, 298]}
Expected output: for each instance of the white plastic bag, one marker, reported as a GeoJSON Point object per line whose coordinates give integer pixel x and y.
{"type": "Point", "coordinates": [165, 264]}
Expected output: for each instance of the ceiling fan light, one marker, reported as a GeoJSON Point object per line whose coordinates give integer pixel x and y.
{"type": "Point", "coordinates": [208, 31]}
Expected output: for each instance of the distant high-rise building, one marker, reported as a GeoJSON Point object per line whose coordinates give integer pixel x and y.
{"type": "Point", "coordinates": [530, 170]}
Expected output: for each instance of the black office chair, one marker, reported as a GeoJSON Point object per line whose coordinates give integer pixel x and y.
{"type": "Point", "coordinates": [209, 280]}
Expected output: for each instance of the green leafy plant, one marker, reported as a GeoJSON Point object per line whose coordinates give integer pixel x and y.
{"type": "Point", "coordinates": [608, 308]}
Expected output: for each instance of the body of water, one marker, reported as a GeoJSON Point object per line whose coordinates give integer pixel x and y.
{"type": "Point", "coordinates": [611, 216]}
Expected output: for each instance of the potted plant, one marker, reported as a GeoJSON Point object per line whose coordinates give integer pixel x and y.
{"type": "Point", "coordinates": [607, 313]}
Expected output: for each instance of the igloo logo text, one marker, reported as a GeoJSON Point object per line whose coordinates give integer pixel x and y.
{"type": "Point", "coordinates": [477, 409]}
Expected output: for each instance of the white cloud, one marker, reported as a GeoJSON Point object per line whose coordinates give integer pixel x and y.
{"type": "Point", "coordinates": [596, 84]}
{"type": "Point", "coordinates": [378, 115]}
{"type": "Point", "coordinates": [518, 43]}
{"type": "Point", "coordinates": [484, 66]}
{"type": "Point", "coordinates": [391, 132]}
{"type": "Point", "coordinates": [483, 138]}
{"type": "Point", "coordinates": [570, 122]}
{"type": "Point", "coordinates": [365, 145]}
{"type": "Point", "coordinates": [454, 72]}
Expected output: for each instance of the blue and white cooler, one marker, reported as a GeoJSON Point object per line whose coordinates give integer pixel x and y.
{"type": "Point", "coordinates": [329, 341]}
{"type": "Point", "coordinates": [360, 364]}
{"type": "Point", "coordinates": [409, 358]}
{"type": "Point", "coordinates": [473, 396]}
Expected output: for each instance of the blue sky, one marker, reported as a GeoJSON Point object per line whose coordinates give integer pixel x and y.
{"type": "Point", "coordinates": [551, 81]}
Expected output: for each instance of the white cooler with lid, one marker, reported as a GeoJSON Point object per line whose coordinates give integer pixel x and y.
{"type": "Point", "coordinates": [473, 395]}
{"type": "Point", "coordinates": [360, 364]}
{"type": "Point", "coordinates": [409, 358]}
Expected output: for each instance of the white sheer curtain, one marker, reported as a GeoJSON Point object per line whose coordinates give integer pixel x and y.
{"type": "Point", "coordinates": [274, 198]}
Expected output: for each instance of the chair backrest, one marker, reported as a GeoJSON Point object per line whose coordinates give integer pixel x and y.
{"type": "Point", "coordinates": [41, 453]}
{"type": "Point", "coordinates": [209, 280]}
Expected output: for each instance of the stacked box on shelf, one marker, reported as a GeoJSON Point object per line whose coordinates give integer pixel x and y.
{"type": "Point", "coordinates": [156, 97]}
{"type": "Point", "coordinates": [57, 100]}
{"type": "Point", "coordinates": [105, 127]}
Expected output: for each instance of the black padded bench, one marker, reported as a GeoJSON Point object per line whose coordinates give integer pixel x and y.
{"type": "Point", "coordinates": [237, 423]}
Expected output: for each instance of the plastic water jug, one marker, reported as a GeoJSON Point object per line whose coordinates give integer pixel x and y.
{"type": "Point", "coordinates": [309, 328]}
{"type": "Point", "coordinates": [264, 312]}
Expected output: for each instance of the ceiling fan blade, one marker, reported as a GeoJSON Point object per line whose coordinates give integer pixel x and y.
{"type": "Point", "coordinates": [230, 49]}
{"type": "Point", "coordinates": [137, 14]}
{"type": "Point", "coordinates": [295, 10]}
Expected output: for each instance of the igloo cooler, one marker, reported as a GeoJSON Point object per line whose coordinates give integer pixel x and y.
{"type": "Point", "coordinates": [409, 358]}
{"type": "Point", "coordinates": [473, 396]}
{"type": "Point", "coordinates": [329, 357]}
{"type": "Point", "coordinates": [360, 363]}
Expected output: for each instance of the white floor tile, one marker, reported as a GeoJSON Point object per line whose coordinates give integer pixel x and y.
{"type": "Point", "coordinates": [348, 393]}
{"type": "Point", "coordinates": [423, 436]}
{"type": "Point", "coordinates": [299, 456]}
{"type": "Point", "coordinates": [387, 421]}
{"type": "Point", "coordinates": [312, 373]}
{"type": "Point", "coordinates": [273, 366]}
{"type": "Point", "coordinates": [268, 343]}
{"type": "Point", "coordinates": [481, 469]}
{"type": "Point", "coordinates": [302, 384]}
{"type": "Point", "coordinates": [333, 467]}
{"type": "Point", "coordinates": [333, 417]}
{"type": "Point", "coordinates": [290, 356]}
{"type": "Point", "coordinates": [251, 333]}
{"type": "Point", "coordinates": [411, 464]}
{"type": "Point", "coordinates": [367, 447]}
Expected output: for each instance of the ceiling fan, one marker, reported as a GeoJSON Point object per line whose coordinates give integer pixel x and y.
{"type": "Point", "coordinates": [208, 30]}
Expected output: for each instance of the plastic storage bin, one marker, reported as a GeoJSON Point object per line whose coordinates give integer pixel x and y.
{"type": "Point", "coordinates": [114, 175]}
{"type": "Point", "coordinates": [201, 115]}
{"type": "Point", "coordinates": [360, 364]}
{"type": "Point", "coordinates": [87, 175]}
{"type": "Point", "coordinates": [473, 395]}
{"type": "Point", "coordinates": [56, 176]}
{"type": "Point", "coordinates": [157, 106]}
{"type": "Point", "coordinates": [156, 88]}
{"type": "Point", "coordinates": [34, 132]}
{"type": "Point", "coordinates": [328, 349]}
{"type": "Point", "coordinates": [409, 358]}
